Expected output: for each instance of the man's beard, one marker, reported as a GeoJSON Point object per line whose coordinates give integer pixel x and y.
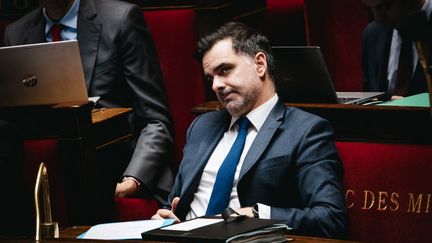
{"type": "Point", "coordinates": [241, 106]}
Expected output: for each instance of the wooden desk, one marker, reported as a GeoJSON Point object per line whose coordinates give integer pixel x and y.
{"type": "Point", "coordinates": [110, 126]}
{"type": "Point", "coordinates": [93, 147]}
{"type": "Point", "coordinates": [73, 232]}
{"type": "Point", "coordinates": [365, 123]}
{"type": "Point", "coordinates": [69, 235]}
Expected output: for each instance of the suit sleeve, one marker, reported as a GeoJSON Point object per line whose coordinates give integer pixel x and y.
{"type": "Point", "coordinates": [319, 185]}
{"type": "Point", "coordinates": [152, 156]}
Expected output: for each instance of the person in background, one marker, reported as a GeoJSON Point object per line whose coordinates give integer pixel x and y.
{"type": "Point", "coordinates": [256, 156]}
{"type": "Point", "coordinates": [390, 60]}
{"type": "Point", "coordinates": [121, 67]}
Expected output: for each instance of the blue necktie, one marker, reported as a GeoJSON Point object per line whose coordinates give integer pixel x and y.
{"type": "Point", "coordinates": [220, 196]}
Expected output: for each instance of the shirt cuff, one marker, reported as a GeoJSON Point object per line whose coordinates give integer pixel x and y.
{"type": "Point", "coordinates": [130, 178]}
{"type": "Point", "coordinates": [263, 211]}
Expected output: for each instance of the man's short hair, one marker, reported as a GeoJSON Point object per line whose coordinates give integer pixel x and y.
{"type": "Point", "coordinates": [245, 41]}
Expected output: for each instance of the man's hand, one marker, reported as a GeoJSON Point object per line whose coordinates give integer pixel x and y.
{"type": "Point", "coordinates": [126, 188]}
{"type": "Point", "coordinates": [168, 214]}
{"type": "Point", "coordinates": [396, 97]}
{"type": "Point", "coordinates": [246, 211]}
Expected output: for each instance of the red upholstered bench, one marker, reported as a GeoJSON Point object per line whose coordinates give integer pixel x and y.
{"type": "Point", "coordinates": [283, 22]}
{"type": "Point", "coordinates": [128, 209]}
{"type": "Point", "coordinates": [388, 191]}
{"type": "Point", "coordinates": [175, 35]}
{"type": "Point", "coordinates": [337, 27]}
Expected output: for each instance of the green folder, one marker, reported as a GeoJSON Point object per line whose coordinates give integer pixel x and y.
{"type": "Point", "coordinates": [419, 100]}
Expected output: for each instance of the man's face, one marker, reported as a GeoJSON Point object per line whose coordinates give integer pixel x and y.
{"type": "Point", "coordinates": [49, 3]}
{"type": "Point", "coordinates": [234, 78]}
{"type": "Point", "coordinates": [391, 12]}
{"type": "Point", "coordinates": [56, 9]}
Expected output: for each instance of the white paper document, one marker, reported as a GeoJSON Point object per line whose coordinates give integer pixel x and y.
{"type": "Point", "coordinates": [123, 230]}
{"type": "Point", "coordinates": [192, 224]}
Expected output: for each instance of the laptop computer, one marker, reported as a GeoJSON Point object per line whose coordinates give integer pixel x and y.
{"type": "Point", "coordinates": [301, 76]}
{"type": "Point", "coordinates": [42, 74]}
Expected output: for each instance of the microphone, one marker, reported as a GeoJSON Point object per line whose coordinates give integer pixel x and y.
{"type": "Point", "coordinates": [47, 228]}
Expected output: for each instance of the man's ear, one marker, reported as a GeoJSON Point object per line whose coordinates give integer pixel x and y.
{"type": "Point", "coordinates": [261, 64]}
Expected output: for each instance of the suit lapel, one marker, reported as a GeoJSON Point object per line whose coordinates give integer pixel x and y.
{"type": "Point", "coordinates": [88, 37]}
{"type": "Point", "coordinates": [210, 140]}
{"type": "Point", "coordinates": [263, 137]}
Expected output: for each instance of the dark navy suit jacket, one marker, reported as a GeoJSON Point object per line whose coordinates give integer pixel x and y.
{"type": "Point", "coordinates": [292, 166]}
{"type": "Point", "coordinates": [376, 49]}
{"type": "Point", "coordinates": [120, 65]}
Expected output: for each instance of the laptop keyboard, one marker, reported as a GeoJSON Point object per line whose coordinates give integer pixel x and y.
{"type": "Point", "coordinates": [343, 100]}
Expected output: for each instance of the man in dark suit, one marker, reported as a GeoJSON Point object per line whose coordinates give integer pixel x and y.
{"type": "Point", "coordinates": [120, 65]}
{"type": "Point", "coordinates": [390, 60]}
{"type": "Point", "coordinates": [288, 167]}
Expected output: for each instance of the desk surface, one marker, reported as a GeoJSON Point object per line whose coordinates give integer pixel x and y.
{"type": "Point", "coordinates": [394, 124]}
{"type": "Point", "coordinates": [100, 115]}
{"type": "Point", "coordinates": [69, 235]}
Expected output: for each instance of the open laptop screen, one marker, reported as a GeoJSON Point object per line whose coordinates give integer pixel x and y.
{"type": "Point", "coordinates": [41, 74]}
{"type": "Point", "coordinates": [301, 75]}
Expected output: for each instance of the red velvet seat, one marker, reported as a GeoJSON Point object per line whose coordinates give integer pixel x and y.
{"type": "Point", "coordinates": [128, 209]}
{"type": "Point", "coordinates": [283, 22]}
{"type": "Point", "coordinates": [175, 45]}
{"type": "Point", "coordinates": [337, 27]}
{"type": "Point", "coordinates": [388, 191]}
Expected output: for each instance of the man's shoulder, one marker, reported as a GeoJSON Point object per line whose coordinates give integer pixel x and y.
{"type": "Point", "coordinates": [300, 116]}
{"type": "Point", "coordinates": [213, 116]}
{"type": "Point", "coordinates": [113, 5]}
{"type": "Point", "coordinates": [26, 20]}
{"type": "Point", "coordinates": [109, 10]}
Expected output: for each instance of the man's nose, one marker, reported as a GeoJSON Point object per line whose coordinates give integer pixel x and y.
{"type": "Point", "coordinates": [217, 84]}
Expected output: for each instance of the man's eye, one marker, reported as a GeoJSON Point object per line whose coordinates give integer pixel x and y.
{"type": "Point", "coordinates": [225, 70]}
{"type": "Point", "coordinates": [209, 79]}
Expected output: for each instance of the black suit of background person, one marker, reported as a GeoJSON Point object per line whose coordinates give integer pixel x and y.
{"type": "Point", "coordinates": [120, 65]}
{"type": "Point", "coordinates": [377, 41]}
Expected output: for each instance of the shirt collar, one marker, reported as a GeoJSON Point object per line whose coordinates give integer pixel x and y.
{"type": "Point", "coordinates": [69, 20]}
{"type": "Point", "coordinates": [258, 116]}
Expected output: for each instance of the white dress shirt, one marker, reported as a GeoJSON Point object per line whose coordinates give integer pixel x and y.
{"type": "Point", "coordinates": [201, 199]}
{"type": "Point", "coordinates": [69, 22]}
{"type": "Point", "coordinates": [395, 50]}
